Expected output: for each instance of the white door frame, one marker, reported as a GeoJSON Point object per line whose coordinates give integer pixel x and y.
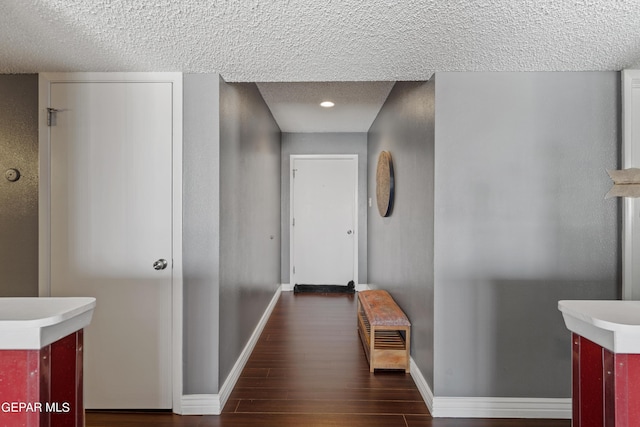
{"type": "Point", "coordinates": [292, 157]}
{"type": "Point", "coordinates": [44, 198]}
{"type": "Point", "coordinates": [631, 206]}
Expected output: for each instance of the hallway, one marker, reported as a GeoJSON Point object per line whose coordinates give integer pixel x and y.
{"type": "Point", "coordinates": [309, 369]}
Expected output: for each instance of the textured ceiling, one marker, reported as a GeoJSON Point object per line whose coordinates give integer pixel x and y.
{"type": "Point", "coordinates": [321, 40]}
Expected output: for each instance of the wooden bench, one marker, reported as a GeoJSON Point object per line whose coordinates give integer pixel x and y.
{"type": "Point", "coordinates": [384, 331]}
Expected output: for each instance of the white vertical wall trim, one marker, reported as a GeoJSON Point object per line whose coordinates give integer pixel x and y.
{"type": "Point", "coordinates": [177, 284]}
{"type": "Point", "coordinates": [212, 404]}
{"type": "Point", "coordinates": [631, 208]}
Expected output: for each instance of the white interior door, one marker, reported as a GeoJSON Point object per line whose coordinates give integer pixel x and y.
{"type": "Point", "coordinates": [110, 220]}
{"type": "Point", "coordinates": [324, 220]}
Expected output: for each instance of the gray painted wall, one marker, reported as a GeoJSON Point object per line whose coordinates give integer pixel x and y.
{"type": "Point", "coordinates": [249, 216]}
{"type": "Point", "coordinates": [401, 245]}
{"type": "Point", "coordinates": [19, 200]}
{"type": "Point", "coordinates": [231, 224]}
{"type": "Point", "coordinates": [520, 223]}
{"type": "Point", "coordinates": [201, 232]}
{"type": "Point", "coordinates": [505, 250]}
{"type": "Point", "coordinates": [325, 143]}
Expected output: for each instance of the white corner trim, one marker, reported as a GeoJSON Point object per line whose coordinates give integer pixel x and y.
{"type": "Point", "coordinates": [201, 404]}
{"type": "Point", "coordinates": [212, 404]}
{"type": "Point", "coordinates": [422, 384]}
{"type": "Point", "coordinates": [630, 159]}
{"type": "Point", "coordinates": [286, 287]}
{"type": "Point", "coordinates": [501, 407]}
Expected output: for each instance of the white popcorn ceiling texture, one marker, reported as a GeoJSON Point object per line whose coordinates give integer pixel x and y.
{"type": "Point", "coordinates": [318, 40]}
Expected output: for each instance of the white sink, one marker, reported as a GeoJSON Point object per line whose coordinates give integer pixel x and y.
{"type": "Point", "coordinates": [614, 325]}
{"type": "Point", "coordinates": [33, 323]}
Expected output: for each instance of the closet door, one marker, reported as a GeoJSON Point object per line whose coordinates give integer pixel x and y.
{"type": "Point", "coordinates": [111, 232]}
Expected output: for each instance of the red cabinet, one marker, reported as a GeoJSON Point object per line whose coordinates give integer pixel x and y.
{"type": "Point", "coordinates": [606, 361]}
{"type": "Point", "coordinates": [42, 388]}
{"type": "Point", "coordinates": [41, 352]}
{"type": "Point", "coordinates": [606, 386]}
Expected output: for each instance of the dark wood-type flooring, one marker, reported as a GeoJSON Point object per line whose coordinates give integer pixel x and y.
{"type": "Point", "coordinates": [309, 369]}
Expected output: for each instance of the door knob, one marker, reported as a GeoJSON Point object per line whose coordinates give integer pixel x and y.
{"type": "Point", "coordinates": [349, 232]}
{"type": "Point", "coordinates": [160, 264]}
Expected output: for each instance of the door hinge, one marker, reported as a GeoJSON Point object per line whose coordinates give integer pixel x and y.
{"type": "Point", "coordinates": [294, 269]}
{"type": "Point", "coordinates": [294, 222]}
{"type": "Point", "coordinates": [294, 173]}
{"type": "Point", "coordinates": [51, 118]}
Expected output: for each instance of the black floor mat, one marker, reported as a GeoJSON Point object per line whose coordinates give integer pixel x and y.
{"type": "Point", "coordinates": [335, 289]}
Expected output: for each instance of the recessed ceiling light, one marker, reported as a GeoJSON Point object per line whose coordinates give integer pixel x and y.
{"type": "Point", "coordinates": [327, 104]}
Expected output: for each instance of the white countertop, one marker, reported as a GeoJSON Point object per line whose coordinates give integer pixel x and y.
{"type": "Point", "coordinates": [615, 325]}
{"type": "Point", "coordinates": [33, 323]}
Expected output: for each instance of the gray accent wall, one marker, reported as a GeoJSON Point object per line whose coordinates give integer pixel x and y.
{"type": "Point", "coordinates": [231, 214]}
{"type": "Point", "coordinates": [249, 216]}
{"type": "Point", "coordinates": [19, 200]}
{"type": "Point", "coordinates": [520, 223]}
{"type": "Point", "coordinates": [324, 143]}
{"type": "Point", "coordinates": [401, 245]}
{"type": "Point", "coordinates": [499, 214]}
{"type": "Point", "coordinates": [201, 232]}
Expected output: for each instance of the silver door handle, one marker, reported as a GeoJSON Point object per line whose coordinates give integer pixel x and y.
{"type": "Point", "coordinates": [349, 232]}
{"type": "Point", "coordinates": [160, 264]}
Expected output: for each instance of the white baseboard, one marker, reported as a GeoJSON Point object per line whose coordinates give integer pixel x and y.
{"type": "Point", "coordinates": [501, 407]}
{"type": "Point", "coordinates": [212, 404]}
{"type": "Point", "coordinates": [489, 407]}
{"type": "Point", "coordinates": [439, 407]}
{"type": "Point", "coordinates": [422, 384]}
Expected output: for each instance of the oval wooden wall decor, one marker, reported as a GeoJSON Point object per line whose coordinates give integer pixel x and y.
{"type": "Point", "coordinates": [384, 184]}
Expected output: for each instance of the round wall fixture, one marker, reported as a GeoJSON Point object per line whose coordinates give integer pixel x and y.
{"type": "Point", "coordinates": [12, 175]}
{"type": "Point", "coordinates": [385, 185]}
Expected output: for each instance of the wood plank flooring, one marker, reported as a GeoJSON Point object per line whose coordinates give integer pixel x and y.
{"type": "Point", "coordinates": [309, 369]}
